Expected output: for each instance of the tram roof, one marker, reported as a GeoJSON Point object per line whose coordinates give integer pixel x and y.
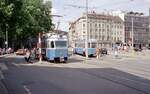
{"type": "Point", "coordinates": [56, 38]}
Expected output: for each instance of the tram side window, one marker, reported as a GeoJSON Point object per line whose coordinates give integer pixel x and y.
{"type": "Point", "coordinates": [52, 44]}
{"type": "Point", "coordinates": [47, 44]}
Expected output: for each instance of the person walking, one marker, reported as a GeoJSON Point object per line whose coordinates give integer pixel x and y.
{"type": "Point", "coordinates": [116, 52]}
{"type": "Point", "coordinates": [97, 53]}
{"type": "Point", "coordinates": [33, 52]}
{"type": "Point", "coordinates": [27, 57]}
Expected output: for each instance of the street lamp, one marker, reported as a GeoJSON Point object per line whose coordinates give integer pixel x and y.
{"type": "Point", "coordinates": [149, 27]}
{"type": "Point", "coordinates": [132, 33]}
{"type": "Point", "coordinates": [86, 36]}
{"type": "Point", "coordinates": [86, 39]}
{"type": "Point", "coordinates": [6, 41]}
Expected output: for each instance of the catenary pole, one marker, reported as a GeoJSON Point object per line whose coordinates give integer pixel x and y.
{"type": "Point", "coordinates": [86, 37]}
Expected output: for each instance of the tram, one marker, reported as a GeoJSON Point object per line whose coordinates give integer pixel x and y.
{"type": "Point", "coordinates": [80, 48]}
{"type": "Point", "coordinates": [54, 48]}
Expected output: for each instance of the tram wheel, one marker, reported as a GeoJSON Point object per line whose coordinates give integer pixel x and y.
{"type": "Point", "coordinates": [55, 60]}
{"type": "Point", "coordinates": [84, 54]}
{"type": "Point", "coordinates": [65, 61]}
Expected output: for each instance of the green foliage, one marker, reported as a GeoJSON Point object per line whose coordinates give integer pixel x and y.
{"type": "Point", "coordinates": [24, 18]}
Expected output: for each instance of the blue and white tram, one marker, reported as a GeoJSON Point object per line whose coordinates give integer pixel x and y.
{"type": "Point", "coordinates": [55, 48]}
{"type": "Point", "coordinates": [80, 48]}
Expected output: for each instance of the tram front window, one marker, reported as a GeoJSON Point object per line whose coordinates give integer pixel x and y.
{"type": "Point", "coordinates": [61, 43]}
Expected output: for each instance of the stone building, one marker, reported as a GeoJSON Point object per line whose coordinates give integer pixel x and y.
{"type": "Point", "coordinates": [138, 24]}
{"type": "Point", "coordinates": [105, 29]}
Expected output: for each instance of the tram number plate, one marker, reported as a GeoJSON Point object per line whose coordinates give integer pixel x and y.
{"type": "Point", "coordinates": [61, 58]}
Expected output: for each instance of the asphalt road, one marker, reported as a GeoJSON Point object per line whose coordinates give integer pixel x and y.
{"type": "Point", "coordinates": [75, 77]}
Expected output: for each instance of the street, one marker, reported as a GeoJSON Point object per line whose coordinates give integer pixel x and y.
{"type": "Point", "coordinates": [74, 47]}
{"type": "Point", "coordinates": [78, 76]}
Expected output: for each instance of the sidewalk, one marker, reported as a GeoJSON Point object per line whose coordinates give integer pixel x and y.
{"type": "Point", "coordinates": [4, 55]}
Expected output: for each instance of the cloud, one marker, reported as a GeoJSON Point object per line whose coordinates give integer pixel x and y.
{"type": "Point", "coordinates": [148, 1]}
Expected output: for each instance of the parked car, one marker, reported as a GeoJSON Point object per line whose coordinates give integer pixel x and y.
{"type": "Point", "coordinates": [3, 51]}
{"type": "Point", "coordinates": [21, 52]}
{"type": "Point", "coordinates": [148, 48]}
{"type": "Point", "coordinates": [104, 51]}
{"type": "Point", "coordinates": [9, 51]}
{"type": "Point", "coordinates": [137, 49]}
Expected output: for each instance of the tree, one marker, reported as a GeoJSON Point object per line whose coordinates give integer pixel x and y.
{"type": "Point", "coordinates": [5, 15]}
{"type": "Point", "coordinates": [24, 18]}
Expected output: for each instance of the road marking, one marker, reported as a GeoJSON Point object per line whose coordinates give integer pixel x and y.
{"type": "Point", "coordinates": [27, 89]}
{"type": "Point", "coordinates": [1, 75]}
{"type": "Point", "coordinates": [3, 66]}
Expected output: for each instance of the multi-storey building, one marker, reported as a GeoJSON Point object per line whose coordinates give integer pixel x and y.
{"type": "Point", "coordinates": [105, 29]}
{"type": "Point", "coordinates": [138, 24]}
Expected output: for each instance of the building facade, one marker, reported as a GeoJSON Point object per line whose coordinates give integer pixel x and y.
{"type": "Point", "coordinates": [105, 29]}
{"type": "Point", "coordinates": [138, 24]}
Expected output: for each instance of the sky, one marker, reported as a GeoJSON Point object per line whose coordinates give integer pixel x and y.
{"type": "Point", "coordinates": [69, 13]}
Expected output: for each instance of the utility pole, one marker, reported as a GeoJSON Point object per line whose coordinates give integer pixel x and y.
{"type": "Point", "coordinates": [6, 39]}
{"type": "Point", "coordinates": [149, 28]}
{"type": "Point", "coordinates": [58, 23]}
{"type": "Point", "coordinates": [40, 47]}
{"type": "Point", "coordinates": [132, 33]}
{"type": "Point", "coordinates": [86, 35]}
{"type": "Point", "coordinates": [6, 42]}
{"type": "Point", "coordinates": [86, 39]}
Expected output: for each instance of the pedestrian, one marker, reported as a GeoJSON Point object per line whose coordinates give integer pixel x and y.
{"type": "Point", "coordinates": [97, 53]}
{"type": "Point", "coordinates": [28, 56]}
{"type": "Point", "coordinates": [116, 52]}
{"type": "Point", "coordinates": [33, 53]}
{"type": "Point", "coordinates": [72, 51]}
{"type": "Point", "coordinates": [100, 52]}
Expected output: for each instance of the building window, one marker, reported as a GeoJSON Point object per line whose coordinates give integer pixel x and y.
{"type": "Point", "coordinates": [95, 25]}
{"type": "Point", "coordinates": [52, 44]}
{"type": "Point", "coordinates": [103, 25]}
{"type": "Point", "coordinates": [84, 20]}
{"type": "Point", "coordinates": [99, 25]}
{"type": "Point", "coordinates": [83, 25]}
{"type": "Point", "coordinates": [90, 25]}
{"type": "Point", "coordinates": [95, 30]}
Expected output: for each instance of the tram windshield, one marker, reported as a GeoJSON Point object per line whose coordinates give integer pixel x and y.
{"type": "Point", "coordinates": [61, 43]}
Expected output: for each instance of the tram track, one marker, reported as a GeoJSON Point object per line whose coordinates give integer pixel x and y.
{"type": "Point", "coordinates": [118, 81]}
{"type": "Point", "coordinates": [125, 69]}
{"type": "Point", "coordinates": [134, 84]}
{"type": "Point", "coordinates": [126, 65]}
{"type": "Point", "coordinates": [129, 83]}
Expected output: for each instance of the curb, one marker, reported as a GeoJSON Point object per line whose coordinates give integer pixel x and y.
{"type": "Point", "coordinates": [4, 55]}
